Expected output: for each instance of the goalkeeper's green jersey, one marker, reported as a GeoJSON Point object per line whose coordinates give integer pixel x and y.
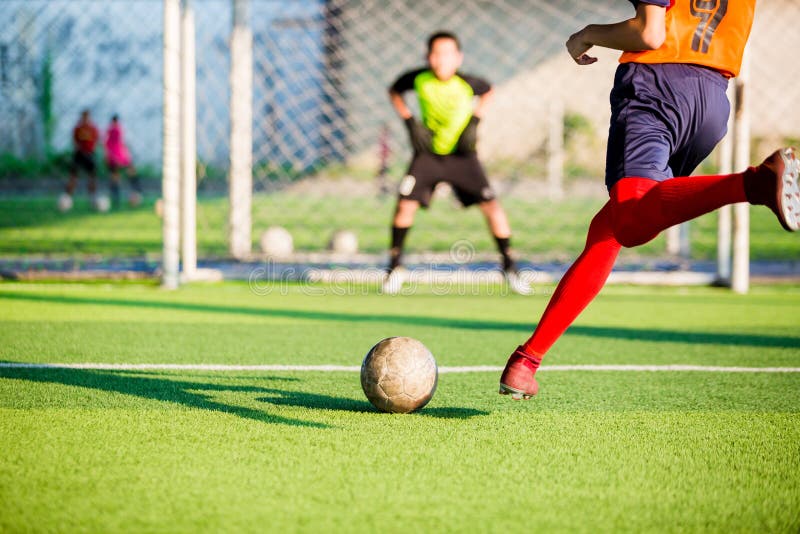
{"type": "Point", "coordinates": [446, 106]}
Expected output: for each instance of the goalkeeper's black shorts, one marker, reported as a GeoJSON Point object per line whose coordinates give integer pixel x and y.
{"type": "Point", "coordinates": [463, 172]}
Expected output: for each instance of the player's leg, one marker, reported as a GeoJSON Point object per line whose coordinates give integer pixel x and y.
{"type": "Point", "coordinates": [641, 138]}
{"type": "Point", "coordinates": [579, 286]}
{"type": "Point", "coordinates": [401, 224]}
{"type": "Point", "coordinates": [74, 166]}
{"type": "Point", "coordinates": [645, 202]}
{"type": "Point", "coordinates": [135, 196]}
{"type": "Point", "coordinates": [133, 178]}
{"type": "Point", "coordinates": [642, 208]}
{"type": "Point", "coordinates": [91, 170]}
{"type": "Point", "coordinates": [497, 221]}
{"type": "Point", "coordinates": [416, 189]}
{"type": "Point", "coordinates": [465, 174]}
{"type": "Point", "coordinates": [114, 185]}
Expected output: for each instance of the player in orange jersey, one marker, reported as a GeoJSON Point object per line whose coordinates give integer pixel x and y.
{"type": "Point", "coordinates": [668, 111]}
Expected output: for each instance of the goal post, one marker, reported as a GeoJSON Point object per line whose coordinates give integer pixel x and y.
{"type": "Point", "coordinates": [241, 133]}
{"type": "Point", "coordinates": [725, 213]}
{"type": "Point", "coordinates": [170, 172]}
{"type": "Point", "coordinates": [188, 145]}
{"type": "Point", "coordinates": [740, 274]}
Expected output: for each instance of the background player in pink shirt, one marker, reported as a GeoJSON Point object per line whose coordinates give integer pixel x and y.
{"type": "Point", "coordinates": [118, 158]}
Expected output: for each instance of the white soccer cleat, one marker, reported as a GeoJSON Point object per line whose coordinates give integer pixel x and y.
{"type": "Point", "coordinates": [394, 281]}
{"type": "Point", "coordinates": [517, 283]}
{"type": "Point", "coordinates": [776, 184]}
{"type": "Point", "coordinates": [789, 191]}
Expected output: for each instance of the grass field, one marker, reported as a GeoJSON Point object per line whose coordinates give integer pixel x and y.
{"type": "Point", "coordinates": [182, 451]}
{"type": "Point", "coordinates": [542, 229]}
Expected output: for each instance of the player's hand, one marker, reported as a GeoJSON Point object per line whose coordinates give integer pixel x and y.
{"type": "Point", "coordinates": [468, 140]}
{"type": "Point", "coordinates": [577, 48]}
{"type": "Point", "coordinates": [421, 137]}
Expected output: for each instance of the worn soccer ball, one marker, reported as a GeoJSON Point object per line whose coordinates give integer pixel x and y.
{"type": "Point", "coordinates": [399, 375]}
{"type": "Point", "coordinates": [64, 202]}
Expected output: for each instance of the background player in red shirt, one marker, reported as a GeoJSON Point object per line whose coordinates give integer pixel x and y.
{"type": "Point", "coordinates": [84, 138]}
{"type": "Point", "coordinates": [668, 111]}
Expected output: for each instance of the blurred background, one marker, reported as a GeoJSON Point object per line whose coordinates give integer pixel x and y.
{"type": "Point", "coordinates": [327, 150]}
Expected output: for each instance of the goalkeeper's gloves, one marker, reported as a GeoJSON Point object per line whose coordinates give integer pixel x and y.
{"type": "Point", "coordinates": [468, 140]}
{"type": "Point", "coordinates": [420, 136]}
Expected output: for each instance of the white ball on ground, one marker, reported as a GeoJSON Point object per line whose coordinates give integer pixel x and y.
{"type": "Point", "coordinates": [64, 202]}
{"type": "Point", "coordinates": [343, 242]}
{"type": "Point", "coordinates": [135, 199]}
{"type": "Point", "coordinates": [276, 242]}
{"type": "Point", "coordinates": [102, 203]}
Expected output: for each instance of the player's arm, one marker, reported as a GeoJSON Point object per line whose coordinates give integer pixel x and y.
{"type": "Point", "coordinates": [402, 84]}
{"type": "Point", "coordinates": [645, 31]}
{"type": "Point", "coordinates": [399, 104]}
{"type": "Point", "coordinates": [483, 101]}
{"type": "Point", "coordinates": [418, 134]}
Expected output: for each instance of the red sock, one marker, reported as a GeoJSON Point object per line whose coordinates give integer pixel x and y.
{"type": "Point", "coordinates": [643, 208]}
{"type": "Point", "coordinates": [582, 282]}
{"type": "Point", "coordinates": [638, 211]}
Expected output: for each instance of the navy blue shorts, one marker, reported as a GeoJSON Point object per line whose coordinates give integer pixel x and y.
{"type": "Point", "coordinates": [665, 120]}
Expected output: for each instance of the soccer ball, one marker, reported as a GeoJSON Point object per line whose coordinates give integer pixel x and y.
{"type": "Point", "coordinates": [276, 242]}
{"type": "Point", "coordinates": [102, 203]}
{"type": "Point", "coordinates": [64, 202]}
{"type": "Point", "coordinates": [343, 242]}
{"type": "Point", "coordinates": [399, 375]}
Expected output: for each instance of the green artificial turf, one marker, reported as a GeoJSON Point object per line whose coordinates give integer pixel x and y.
{"type": "Point", "coordinates": [151, 450]}
{"type": "Point", "coordinates": [543, 230]}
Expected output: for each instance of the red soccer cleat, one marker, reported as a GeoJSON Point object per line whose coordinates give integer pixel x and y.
{"type": "Point", "coordinates": [774, 184]}
{"type": "Point", "coordinates": [518, 379]}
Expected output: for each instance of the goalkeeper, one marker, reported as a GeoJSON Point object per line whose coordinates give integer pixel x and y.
{"type": "Point", "coordinates": [443, 142]}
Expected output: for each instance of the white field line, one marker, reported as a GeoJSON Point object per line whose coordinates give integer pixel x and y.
{"type": "Point", "coordinates": [354, 368]}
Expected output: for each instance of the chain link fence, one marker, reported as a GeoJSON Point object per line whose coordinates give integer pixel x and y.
{"type": "Point", "coordinates": [327, 147]}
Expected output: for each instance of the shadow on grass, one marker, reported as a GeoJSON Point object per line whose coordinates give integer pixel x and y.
{"type": "Point", "coordinates": [627, 333]}
{"type": "Point", "coordinates": [208, 375]}
{"type": "Point", "coordinates": [446, 412]}
{"type": "Point", "coordinates": [325, 402]}
{"type": "Point", "coordinates": [190, 394]}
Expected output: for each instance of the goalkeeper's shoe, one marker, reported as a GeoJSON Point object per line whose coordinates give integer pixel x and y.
{"type": "Point", "coordinates": [394, 281]}
{"type": "Point", "coordinates": [517, 282]}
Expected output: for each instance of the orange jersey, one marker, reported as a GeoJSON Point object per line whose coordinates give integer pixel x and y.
{"type": "Point", "coordinates": [711, 33]}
